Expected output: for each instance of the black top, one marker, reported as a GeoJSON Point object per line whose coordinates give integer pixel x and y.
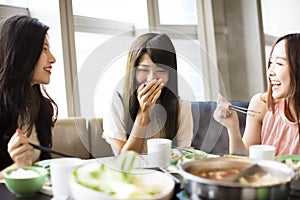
{"type": "Point", "coordinates": [8, 128]}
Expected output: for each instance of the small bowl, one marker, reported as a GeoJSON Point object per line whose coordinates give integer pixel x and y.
{"type": "Point", "coordinates": [24, 184]}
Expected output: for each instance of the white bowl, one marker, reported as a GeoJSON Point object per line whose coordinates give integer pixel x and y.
{"type": "Point", "coordinates": [148, 178]}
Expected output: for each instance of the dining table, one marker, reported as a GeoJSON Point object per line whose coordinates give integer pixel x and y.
{"type": "Point", "coordinates": [179, 191]}
{"type": "Point", "coordinates": [5, 194]}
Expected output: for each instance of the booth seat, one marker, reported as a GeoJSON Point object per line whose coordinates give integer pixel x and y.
{"type": "Point", "coordinates": [80, 137]}
{"type": "Point", "coordinates": [99, 147]}
{"type": "Point", "coordinates": [71, 136]}
{"type": "Point", "coordinates": [209, 135]}
{"type": "Point", "coordinates": [83, 138]}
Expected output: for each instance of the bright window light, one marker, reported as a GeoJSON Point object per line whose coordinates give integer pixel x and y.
{"type": "Point", "coordinates": [182, 12]}
{"type": "Point", "coordinates": [130, 11]}
{"type": "Point", "coordinates": [18, 3]}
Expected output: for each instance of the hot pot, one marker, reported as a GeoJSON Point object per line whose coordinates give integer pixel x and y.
{"type": "Point", "coordinates": [204, 188]}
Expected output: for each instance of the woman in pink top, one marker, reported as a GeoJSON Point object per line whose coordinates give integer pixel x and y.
{"type": "Point", "coordinates": [278, 121]}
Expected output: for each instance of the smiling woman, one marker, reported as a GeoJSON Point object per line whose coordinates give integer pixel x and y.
{"type": "Point", "coordinates": [147, 71]}
{"type": "Point", "coordinates": [149, 105]}
{"type": "Point", "coordinates": [27, 112]}
{"type": "Point", "coordinates": [42, 70]}
{"type": "Point", "coordinates": [278, 124]}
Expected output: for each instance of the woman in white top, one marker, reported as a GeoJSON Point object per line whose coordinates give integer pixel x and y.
{"type": "Point", "coordinates": [149, 106]}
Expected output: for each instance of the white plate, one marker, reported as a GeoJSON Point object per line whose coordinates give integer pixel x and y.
{"type": "Point", "coordinates": [149, 178]}
{"type": "Point", "coordinates": [46, 163]}
{"type": "Point", "coordinates": [43, 163]}
{"type": "Point", "coordinates": [141, 161]}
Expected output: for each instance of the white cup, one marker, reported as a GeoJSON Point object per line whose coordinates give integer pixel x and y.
{"type": "Point", "coordinates": [61, 169]}
{"type": "Point", "coordinates": [265, 152]}
{"type": "Point", "coordinates": [159, 152]}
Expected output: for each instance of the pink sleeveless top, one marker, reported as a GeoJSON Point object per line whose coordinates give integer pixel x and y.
{"type": "Point", "coordinates": [278, 131]}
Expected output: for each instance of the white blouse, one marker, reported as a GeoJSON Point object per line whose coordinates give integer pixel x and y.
{"type": "Point", "coordinates": [114, 125]}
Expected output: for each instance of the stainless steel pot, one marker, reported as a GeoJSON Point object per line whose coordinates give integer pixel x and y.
{"type": "Point", "coordinates": [202, 188]}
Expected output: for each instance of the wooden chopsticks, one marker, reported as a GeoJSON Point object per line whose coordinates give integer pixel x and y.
{"type": "Point", "coordinates": [243, 110]}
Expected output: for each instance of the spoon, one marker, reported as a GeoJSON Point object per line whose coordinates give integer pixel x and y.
{"type": "Point", "coordinates": [254, 169]}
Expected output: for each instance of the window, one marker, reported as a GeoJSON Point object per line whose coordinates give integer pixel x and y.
{"type": "Point", "coordinates": [18, 3]}
{"type": "Point", "coordinates": [103, 32]}
{"type": "Point", "coordinates": [8, 10]}
{"type": "Point", "coordinates": [183, 12]}
{"type": "Point", "coordinates": [279, 19]}
{"type": "Point", "coordinates": [100, 60]}
{"type": "Point", "coordinates": [99, 69]}
{"type": "Point", "coordinates": [129, 11]}
{"type": "Point", "coordinates": [97, 24]}
{"type": "Point", "coordinates": [56, 88]}
{"type": "Point", "coordinates": [103, 38]}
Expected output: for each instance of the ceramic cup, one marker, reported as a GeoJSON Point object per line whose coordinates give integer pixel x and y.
{"type": "Point", "coordinates": [61, 169]}
{"type": "Point", "coordinates": [265, 152]}
{"type": "Point", "coordinates": [159, 152]}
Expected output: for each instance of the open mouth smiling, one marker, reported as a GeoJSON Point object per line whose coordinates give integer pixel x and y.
{"type": "Point", "coordinates": [48, 69]}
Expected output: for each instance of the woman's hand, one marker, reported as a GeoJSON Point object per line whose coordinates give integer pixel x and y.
{"type": "Point", "coordinates": [148, 94]}
{"type": "Point", "coordinates": [224, 115]}
{"type": "Point", "coordinates": [20, 150]}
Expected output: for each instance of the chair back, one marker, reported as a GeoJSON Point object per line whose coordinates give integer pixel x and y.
{"type": "Point", "coordinates": [71, 136]}
{"type": "Point", "coordinates": [209, 135]}
{"type": "Point", "coordinates": [99, 147]}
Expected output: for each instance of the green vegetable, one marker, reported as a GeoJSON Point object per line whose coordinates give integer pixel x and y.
{"type": "Point", "coordinates": [127, 166]}
{"type": "Point", "coordinates": [121, 184]}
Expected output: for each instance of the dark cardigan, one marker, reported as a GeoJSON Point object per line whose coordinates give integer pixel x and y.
{"type": "Point", "coordinates": [8, 127]}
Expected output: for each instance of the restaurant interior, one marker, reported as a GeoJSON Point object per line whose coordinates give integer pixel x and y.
{"type": "Point", "coordinates": [222, 47]}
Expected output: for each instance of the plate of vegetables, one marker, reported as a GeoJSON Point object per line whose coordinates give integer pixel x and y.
{"type": "Point", "coordinates": [181, 155]}
{"type": "Point", "coordinates": [291, 160]}
{"type": "Point", "coordinates": [95, 180]}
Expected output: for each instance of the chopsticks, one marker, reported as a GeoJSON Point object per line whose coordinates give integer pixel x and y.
{"type": "Point", "coordinates": [48, 150]}
{"type": "Point", "coordinates": [183, 150]}
{"type": "Point", "coordinates": [243, 110]}
{"type": "Point", "coordinates": [45, 149]}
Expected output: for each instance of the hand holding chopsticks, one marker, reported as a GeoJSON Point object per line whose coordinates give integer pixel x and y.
{"type": "Point", "coordinates": [243, 110]}
{"type": "Point", "coordinates": [44, 149]}
{"type": "Point", "coordinates": [224, 110]}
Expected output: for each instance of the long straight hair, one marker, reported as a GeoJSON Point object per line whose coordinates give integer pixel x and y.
{"type": "Point", "coordinates": [162, 52]}
{"type": "Point", "coordinates": [21, 43]}
{"type": "Point", "coordinates": [292, 49]}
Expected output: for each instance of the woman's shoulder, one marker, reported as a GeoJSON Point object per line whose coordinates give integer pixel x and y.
{"type": "Point", "coordinates": [184, 102]}
{"type": "Point", "coordinates": [262, 96]}
{"type": "Point", "coordinates": [113, 96]}
{"type": "Point", "coordinates": [259, 102]}
{"type": "Point", "coordinates": [259, 99]}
